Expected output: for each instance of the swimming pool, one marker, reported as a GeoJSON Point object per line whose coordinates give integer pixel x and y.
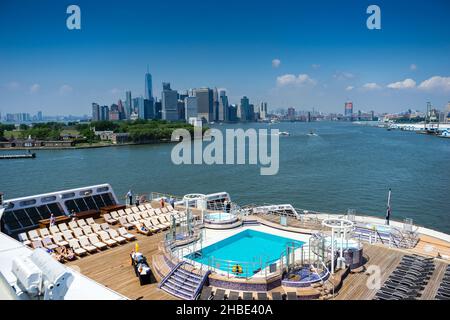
{"type": "Point", "coordinates": [252, 250]}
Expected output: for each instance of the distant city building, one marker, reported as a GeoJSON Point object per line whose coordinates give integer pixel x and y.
{"type": "Point", "coordinates": [223, 106]}
{"type": "Point", "coordinates": [263, 110]}
{"type": "Point", "coordinates": [215, 105]}
{"type": "Point", "coordinates": [244, 109]}
{"type": "Point", "coordinates": [169, 100]}
{"type": "Point", "coordinates": [104, 113]}
{"type": "Point", "coordinates": [291, 113]}
{"type": "Point", "coordinates": [158, 110]}
{"type": "Point", "coordinates": [232, 113]}
{"type": "Point", "coordinates": [205, 101]}
{"type": "Point", "coordinates": [190, 108]}
{"type": "Point", "coordinates": [148, 86]}
{"type": "Point", "coordinates": [128, 105]}
{"type": "Point", "coordinates": [95, 112]}
{"type": "Point", "coordinates": [348, 110]}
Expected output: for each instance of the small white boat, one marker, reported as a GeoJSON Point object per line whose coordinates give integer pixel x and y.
{"type": "Point", "coordinates": [311, 133]}
{"type": "Point", "coordinates": [283, 133]}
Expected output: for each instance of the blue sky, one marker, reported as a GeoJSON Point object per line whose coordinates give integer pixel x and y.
{"type": "Point", "coordinates": [326, 53]}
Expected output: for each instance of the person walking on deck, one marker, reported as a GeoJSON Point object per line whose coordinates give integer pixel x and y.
{"type": "Point", "coordinates": [130, 197]}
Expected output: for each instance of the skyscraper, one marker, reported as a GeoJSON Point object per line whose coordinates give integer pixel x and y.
{"type": "Point", "coordinates": [169, 103]}
{"type": "Point", "coordinates": [190, 108]}
{"type": "Point", "coordinates": [104, 113]}
{"type": "Point", "coordinates": [263, 111]}
{"type": "Point", "coordinates": [128, 105]}
{"type": "Point", "coordinates": [205, 101]}
{"type": "Point", "coordinates": [215, 105]}
{"type": "Point", "coordinates": [148, 86]}
{"type": "Point", "coordinates": [95, 112]}
{"type": "Point", "coordinates": [243, 109]}
{"type": "Point", "coordinates": [348, 110]}
{"type": "Point", "coordinates": [223, 106]}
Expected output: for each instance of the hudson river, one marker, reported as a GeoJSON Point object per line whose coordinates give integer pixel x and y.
{"type": "Point", "coordinates": [345, 166]}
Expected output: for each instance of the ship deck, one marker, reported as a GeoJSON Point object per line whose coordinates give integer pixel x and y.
{"type": "Point", "coordinates": [112, 269]}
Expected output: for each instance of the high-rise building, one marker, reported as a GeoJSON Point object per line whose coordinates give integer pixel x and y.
{"type": "Point", "coordinates": [190, 108]}
{"type": "Point", "coordinates": [205, 101]}
{"type": "Point", "coordinates": [263, 110]}
{"type": "Point", "coordinates": [243, 110]}
{"type": "Point", "coordinates": [121, 109]}
{"type": "Point", "coordinates": [148, 86]}
{"type": "Point", "coordinates": [291, 113]}
{"type": "Point", "coordinates": [169, 102]}
{"type": "Point", "coordinates": [95, 112]}
{"type": "Point", "coordinates": [39, 116]}
{"type": "Point", "coordinates": [158, 110]}
{"type": "Point", "coordinates": [215, 104]}
{"type": "Point", "coordinates": [232, 113]}
{"type": "Point", "coordinates": [104, 113]}
{"type": "Point", "coordinates": [128, 105]}
{"type": "Point", "coordinates": [223, 106]}
{"type": "Point", "coordinates": [348, 110]}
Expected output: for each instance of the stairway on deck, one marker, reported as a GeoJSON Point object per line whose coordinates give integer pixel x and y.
{"type": "Point", "coordinates": [182, 283]}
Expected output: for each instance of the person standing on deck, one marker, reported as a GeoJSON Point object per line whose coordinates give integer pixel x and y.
{"type": "Point", "coordinates": [172, 202]}
{"type": "Point", "coordinates": [162, 202]}
{"type": "Point", "coordinates": [52, 220]}
{"type": "Point", "coordinates": [130, 197]}
{"type": "Point", "coordinates": [388, 210]}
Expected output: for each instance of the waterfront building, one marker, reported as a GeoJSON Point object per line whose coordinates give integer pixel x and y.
{"type": "Point", "coordinates": [263, 110]}
{"type": "Point", "coordinates": [104, 113]}
{"type": "Point", "coordinates": [121, 109]}
{"type": "Point", "coordinates": [215, 105]}
{"type": "Point", "coordinates": [169, 103]}
{"type": "Point", "coordinates": [232, 113]}
{"type": "Point", "coordinates": [205, 101]}
{"type": "Point", "coordinates": [243, 109]}
{"type": "Point", "coordinates": [291, 113]}
{"type": "Point", "coordinates": [190, 108]}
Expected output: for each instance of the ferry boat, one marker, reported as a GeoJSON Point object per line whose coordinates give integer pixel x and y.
{"type": "Point", "coordinates": [56, 246]}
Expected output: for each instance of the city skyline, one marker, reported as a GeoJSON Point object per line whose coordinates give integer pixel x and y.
{"type": "Point", "coordinates": [295, 59]}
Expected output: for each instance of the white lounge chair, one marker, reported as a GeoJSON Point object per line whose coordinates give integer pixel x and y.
{"type": "Point", "coordinates": [73, 225]}
{"type": "Point", "coordinates": [96, 228]}
{"type": "Point", "coordinates": [121, 213]}
{"type": "Point", "coordinates": [115, 236]}
{"type": "Point", "coordinates": [107, 239]}
{"type": "Point", "coordinates": [105, 226]}
{"type": "Point", "coordinates": [24, 238]}
{"type": "Point", "coordinates": [33, 235]}
{"type": "Point", "coordinates": [48, 243]}
{"type": "Point", "coordinates": [124, 233]}
{"type": "Point", "coordinates": [81, 223]}
{"type": "Point", "coordinates": [55, 230]}
{"type": "Point", "coordinates": [63, 227]}
{"type": "Point", "coordinates": [124, 223]}
{"type": "Point", "coordinates": [135, 209]}
{"type": "Point", "coordinates": [68, 236]}
{"type": "Point", "coordinates": [109, 219]}
{"type": "Point", "coordinates": [150, 226]}
{"type": "Point", "coordinates": [128, 211]}
{"type": "Point", "coordinates": [93, 238]}
{"type": "Point", "coordinates": [90, 221]}
{"type": "Point", "coordinates": [58, 239]}
{"type": "Point", "coordinates": [78, 233]}
{"type": "Point", "coordinates": [155, 222]}
{"type": "Point", "coordinates": [142, 207]}
{"type": "Point", "coordinates": [87, 230]}
{"type": "Point", "coordinates": [75, 245]}
{"type": "Point", "coordinates": [86, 245]}
{"type": "Point", "coordinates": [45, 233]}
{"type": "Point", "coordinates": [148, 206]}
{"type": "Point", "coordinates": [36, 244]}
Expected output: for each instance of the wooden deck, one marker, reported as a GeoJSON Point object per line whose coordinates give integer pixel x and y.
{"type": "Point", "coordinates": [112, 269]}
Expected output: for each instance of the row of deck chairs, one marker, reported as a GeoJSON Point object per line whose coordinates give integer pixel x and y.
{"type": "Point", "coordinates": [82, 236]}
{"type": "Point", "coordinates": [153, 220]}
{"type": "Point", "coordinates": [443, 292]}
{"type": "Point", "coordinates": [408, 280]}
{"type": "Point", "coordinates": [220, 294]}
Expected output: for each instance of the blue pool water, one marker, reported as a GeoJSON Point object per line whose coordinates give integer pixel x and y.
{"type": "Point", "coordinates": [248, 247]}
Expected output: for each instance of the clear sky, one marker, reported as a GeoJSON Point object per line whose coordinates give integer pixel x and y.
{"type": "Point", "coordinates": [296, 53]}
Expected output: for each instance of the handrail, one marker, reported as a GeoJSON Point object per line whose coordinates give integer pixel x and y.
{"type": "Point", "coordinates": [200, 285]}
{"type": "Point", "coordinates": [170, 273]}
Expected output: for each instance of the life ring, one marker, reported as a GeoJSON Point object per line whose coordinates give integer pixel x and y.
{"type": "Point", "coordinates": [237, 269]}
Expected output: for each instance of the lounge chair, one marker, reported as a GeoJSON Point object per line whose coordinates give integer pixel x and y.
{"type": "Point", "coordinates": [63, 227]}
{"type": "Point", "coordinates": [75, 245]}
{"type": "Point", "coordinates": [45, 233]}
{"type": "Point", "coordinates": [78, 233]}
{"type": "Point", "coordinates": [96, 242]}
{"type": "Point", "coordinates": [131, 220]}
{"type": "Point", "coordinates": [128, 211]}
{"type": "Point", "coordinates": [109, 219]}
{"type": "Point", "coordinates": [262, 296]}
{"type": "Point", "coordinates": [33, 235]}
{"type": "Point", "coordinates": [58, 239]}
{"type": "Point", "coordinates": [124, 233]}
{"type": "Point", "coordinates": [151, 212]}
{"type": "Point", "coordinates": [48, 243]}
{"type": "Point", "coordinates": [114, 215]}
{"type": "Point", "coordinates": [219, 295]}
{"type": "Point", "coordinates": [148, 206]}
{"type": "Point", "coordinates": [107, 239]}
{"type": "Point", "coordinates": [87, 230]}
{"type": "Point", "coordinates": [90, 221]}
{"type": "Point", "coordinates": [276, 296]}
{"type": "Point", "coordinates": [96, 228]}
{"type": "Point", "coordinates": [157, 211]}
{"type": "Point", "coordinates": [36, 244]}
{"type": "Point", "coordinates": [68, 236]}
{"type": "Point", "coordinates": [150, 227]}
{"type": "Point", "coordinates": [292, 295]}
{"type": "Point", "coordinates": [164, 210]}
{"type": "Point", "coordinates": [142, 207]}
{"type": "Point", "coordinates": [105, 226]}
{"type": "Point", "coordinates": [124, 223]}
{"type": "Point", "coordinates": [247, 296]}
{"type": "Point", "coordinates": [163, 222]}
{"type": "Point", "coordinates": [135, 209]}
{"type": "Point", "coordinates": [115, 236]}
{"type": "Point", "coordinates": [145, 232]}
{"type": "Point", "coordinates": [73, 225]}
{"type": "Point", "coordinates": [145, 215]}
{"type": "Point", "coordinates": [81, 223]}
{"type": "Point", "coordinates": [155, 222]}
{"type": "Point", "coordinates": [233, 295]}
{"type": "Point", "coordinates": [206, 293]}
{"type": "Point", "coordinates": [54, 230]}
{"type": "Point", "coordinates": [24, 238]}
{"type": "Point", "coordinates": [86, 245]}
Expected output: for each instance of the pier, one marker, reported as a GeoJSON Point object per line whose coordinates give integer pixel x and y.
{"type": "Point", "coordinates": [18, 156]}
